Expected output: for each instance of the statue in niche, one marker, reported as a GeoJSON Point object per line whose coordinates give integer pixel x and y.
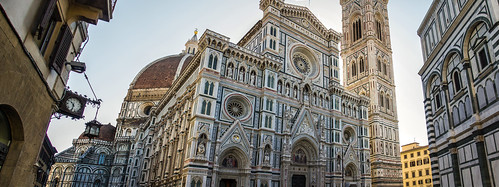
{"type": "Point", "coordinates": [241, 74]}
{"type": "Point", "coordinates": [252, 78]}
{"type": "Point", "coordinates": [202, 145]}
{"type": "Point", "coordinates": [229, 162]}
{"type": "Point", "coordinates": [287, 90]}
{"type": "Point", "coordinates": [230, 70]}
{"type": "Point", "coordinates": [201, 149]}
{"type": "Point", "coordinates": [266, 157]}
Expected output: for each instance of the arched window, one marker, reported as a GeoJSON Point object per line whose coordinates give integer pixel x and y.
{"type": "Point", "coordinates": [203, 107]}
{"type": "Point", "coordinates": [356, 30]}
{"type": "Point", "coordinates": [379, 65]}
{"type": "Point", "coordinates": [387, 102]}
{"type": "Point", "coordinates": [206, 87]}
{"type": "Point", "coordinates": [212, 63]}
{"type": "Point", "coordinates": [354, 69]}
{"type": "Point", "coordinates": [361, 65]}
{"type": "Point", "coordinates": [381, 100]}
{"type": "Point", "coordinates": [102, 158]}
{"type": "Point", "coordinates": [456, 79]}
{"type": "Point", "coordinates": [384, 69]}
{"type": "Point", "coordinates": [208, 108]}
{"type": "Point", "coordinates": [379, 31]}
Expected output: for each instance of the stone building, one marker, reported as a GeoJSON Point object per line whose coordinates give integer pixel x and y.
{"type": "Point", "coordinates": [37, 37]}
{"type": "Point", "coordinates": [416, 165]}
{"type": "Point", "coordinates": [269, 110]}
{"type": "Point", "coordinates": [87, 163]}
{"type": "Point", "coordinates": [368, 70]}
{"type": "Point", "coordinates": [460, 84]}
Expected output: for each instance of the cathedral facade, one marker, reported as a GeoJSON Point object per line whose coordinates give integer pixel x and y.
{"type": "Point", "coordinates": [269, 110]}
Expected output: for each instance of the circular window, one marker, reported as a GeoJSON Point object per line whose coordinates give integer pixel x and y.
{"type": "Point", "coordinates": [304, 61]}
{"type": "Point", "coordinates": [237, 106]}
{"type": "Point", "coordinates": [301, 63]}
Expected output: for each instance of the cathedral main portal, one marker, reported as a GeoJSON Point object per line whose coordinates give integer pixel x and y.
{"type": "Point", "coordinates": [298, 181]}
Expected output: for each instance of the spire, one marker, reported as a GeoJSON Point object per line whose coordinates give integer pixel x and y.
{"type": "Point", "coordinates": [191, 45]}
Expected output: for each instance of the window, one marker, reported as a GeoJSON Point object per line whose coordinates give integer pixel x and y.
{"type": "Point", "coordinates": [379, 30]}
{"type": "Point", "coordinates": [482, 58]}
{"type": "Point", "coordinates": [382, 103]}
{"type": "Point", "coordinates": [427, 172]}
{"type": "Point", "coordinates": [406, 175]}
{"type": "Point", "coordinates": [384, 69]}
{"type": "Point", "coordinates": [212, 62]}
{"type": "Point", "coordinates": [457, 81]}
{"type": "Point", "coordinates": [208, 88]}
{"type": "Point", "coordinates": [206, 108]}
{"type": "Point", "coordinates": [379, 65]}
{"type": "Point", "coordinates": [102, 158]}
{"type": "Point", "coordinates": [438, 102]}
{"type": "Point", "coordinates": [413, 174]}
{"type": "Point", "coordinates": [413, 182]}
{"type": "Point", "coordinates": [420, 173]}
{"type": "Point", "coordinates": [425, 152]}
{"type": "Point", "coordinates": [269, 105]}
{"type": "Point", "coordinates": [405, 156]}
{"type": "Point", "coordinates": [268, 122]}
{"type": "Point", "coordinates": [419, 153]}
{"type": "Point", "coordinates": [354, 69]}
{"type": "Point", "coordinates": [406, 183]}
{"type": "Point", "coordinates": [405, 164]}
{"type": "Point", "coordinates": [356, 30]}
{"type": "Point", "coordinates": [270, 81]}
{"type": "Point", "coordinates": [361, 65]}
{"type": "Point", "coordinates": [413, 163]}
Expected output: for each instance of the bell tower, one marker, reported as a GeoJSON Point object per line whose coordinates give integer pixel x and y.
{"type": "Point", "coordinates": [368, 70]}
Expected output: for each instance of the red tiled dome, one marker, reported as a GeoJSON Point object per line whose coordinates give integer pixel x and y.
{"type": "Point", "coordinates": [106, 133]}
{"type": "Point", "coordinates": [160, 73]}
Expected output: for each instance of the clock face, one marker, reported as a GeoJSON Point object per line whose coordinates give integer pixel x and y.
{"type": "Point", "coordinates": [73, 104]}
{"type": "Point", "coordinates": [302, 65]}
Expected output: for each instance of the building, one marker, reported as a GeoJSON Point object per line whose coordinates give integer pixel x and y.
{"type": "Point", "coordinates": [37, 38]}
{"type": "Point", "coordinates": [87, 163]}
{"type": "Point", "coordinates": [416, 165]}
{"type": "Point", "coordinates": [269, 110]}
{"type": "Point", "coordinates": [45, 161]}
{"type": "Point", "coordinates": [368, 70]}
{"type": "Point", "coordinates": [460, 84]}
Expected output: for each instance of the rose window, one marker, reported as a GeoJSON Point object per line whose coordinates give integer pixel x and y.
{"type": "Point", "coordinates": [301, 63]}
{"type": "Point", "coordinates": [237, 107]}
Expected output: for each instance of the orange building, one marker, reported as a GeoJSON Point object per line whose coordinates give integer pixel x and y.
{"type": "Point", "coordinates": [416, 167]}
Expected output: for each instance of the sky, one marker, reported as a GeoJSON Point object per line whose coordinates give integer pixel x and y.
{"type": "Point", "coordinates": [140, 33]}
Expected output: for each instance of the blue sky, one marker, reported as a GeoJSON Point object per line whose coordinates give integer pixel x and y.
{"type": "Point", "coordinates": [141, 32]}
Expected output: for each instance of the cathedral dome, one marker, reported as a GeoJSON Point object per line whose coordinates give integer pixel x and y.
{"type": "Point", "coordinates": [106, 133]}
{"type": "Point", "coordinates": [162, 72]}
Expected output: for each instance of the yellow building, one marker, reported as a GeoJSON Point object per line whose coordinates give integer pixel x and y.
{"type": "Point", "coordinates": [416, 166]}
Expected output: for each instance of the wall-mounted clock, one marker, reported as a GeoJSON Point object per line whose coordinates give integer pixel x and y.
{"type": "Point", "coordinates": [72, 105]}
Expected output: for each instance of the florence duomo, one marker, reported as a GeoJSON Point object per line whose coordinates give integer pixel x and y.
{"type": "Point", "coordinates": [269, 110]}
{"type": "Point", "coordinates": [262, 93]}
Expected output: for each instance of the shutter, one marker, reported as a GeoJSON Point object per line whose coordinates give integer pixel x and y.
{"type": "Point", "coordinates": [45, 19]}
{"type": "Point", "coordinates": [61, 48]}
